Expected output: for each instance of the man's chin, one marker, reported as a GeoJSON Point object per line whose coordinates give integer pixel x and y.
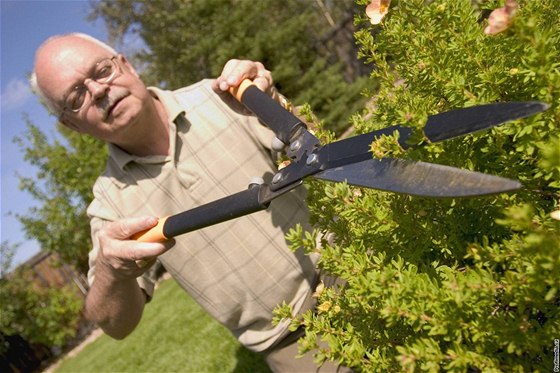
{"type": "Point", "coordinates": [123, 121]}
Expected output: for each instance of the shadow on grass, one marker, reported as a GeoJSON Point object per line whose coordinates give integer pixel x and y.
{"type": "Point", "coordinates": [248, 361]}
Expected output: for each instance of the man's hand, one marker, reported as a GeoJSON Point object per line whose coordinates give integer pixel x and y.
{"type": "Point", "coordinates": [123, 258]}
{"type": "Point", "coordinates": [115, 301]}
{"type": "Point", "coordinates": [235, 71]}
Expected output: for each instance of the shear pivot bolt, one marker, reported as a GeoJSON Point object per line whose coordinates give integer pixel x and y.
{"type": "Point", "coordinates": [277, 178]}
{"type": "Point", "coordinates": [313, 158]}
{"type": "Point", "coordinates": [295, 145]}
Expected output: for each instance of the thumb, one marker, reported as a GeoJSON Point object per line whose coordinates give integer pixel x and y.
{"type": "Point", "coordinates": [125, 228]}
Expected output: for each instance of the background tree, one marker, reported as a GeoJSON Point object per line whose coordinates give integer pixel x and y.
{"type": "Point", "coordinates": [307, 44]}
{"type": "Point", "coordinates": [67, 168]}
{"type": "Point", "coordinates": [459, 284]}
{"type": "Point", "coordinates": [48, 316]}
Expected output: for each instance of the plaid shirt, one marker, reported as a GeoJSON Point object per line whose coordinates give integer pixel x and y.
{"type": "Point", "coordinates": [240, 270]}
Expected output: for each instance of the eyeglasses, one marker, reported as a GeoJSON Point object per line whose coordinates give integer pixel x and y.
{"type": "Point", "coordinates": [105, 72]}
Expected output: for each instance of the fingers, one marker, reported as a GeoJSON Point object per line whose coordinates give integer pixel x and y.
{"type": "Point", "coordinates": [236, 71]}
{"type": "Point", "coordinates": [123, 256]}
{"type": "Point", "coordinates": [125, 228]}
{"type": "Point", "coordinates": [143, 263]}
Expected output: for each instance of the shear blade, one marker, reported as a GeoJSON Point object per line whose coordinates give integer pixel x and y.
{"type": "Point", "coordinates": [418, 178]}
{"type": "Point", "coordinates": [459, 122]}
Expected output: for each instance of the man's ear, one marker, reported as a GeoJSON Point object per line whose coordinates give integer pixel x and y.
{"type": "Point", "coordinates": [127, 65]}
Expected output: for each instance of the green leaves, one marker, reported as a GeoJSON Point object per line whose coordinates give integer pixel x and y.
{"type": "Point", "coordinates": [48, 316]}
{"type": "Point", "coordinates": [67, 168]}
{"type": "Point", "coordinates": [465, 284]}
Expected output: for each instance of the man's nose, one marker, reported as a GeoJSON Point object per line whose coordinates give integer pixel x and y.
{"type": "Point", "coordinates": [96, 89]}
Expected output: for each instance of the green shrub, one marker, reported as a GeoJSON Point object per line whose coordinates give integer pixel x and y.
{"type": "Point", "coordinates": [449, 284]}
{"type": "Point", "coordinates": [48, 316]}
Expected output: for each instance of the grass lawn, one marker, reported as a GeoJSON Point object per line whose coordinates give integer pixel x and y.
{"type": "Point", "coordinates": [175, 335]}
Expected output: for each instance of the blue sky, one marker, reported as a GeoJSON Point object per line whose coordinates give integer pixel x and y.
{"type": "Point", "coordinates": [24, 26]}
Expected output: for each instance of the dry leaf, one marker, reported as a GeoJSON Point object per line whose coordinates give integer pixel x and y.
{"type": "Point", "coordinates": [319, 290]}
{"type": "Point", "coordinates": [500, 19]}
{"type": "Point", "coordinates": [376, 10]}
{"type": "Point", "coordinates": [284, 164]}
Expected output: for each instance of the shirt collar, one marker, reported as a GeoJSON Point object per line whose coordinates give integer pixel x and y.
{"type": "Point", "coordinates": [167, 98]}
{"type": "Point", "coordinates": [174, 110]}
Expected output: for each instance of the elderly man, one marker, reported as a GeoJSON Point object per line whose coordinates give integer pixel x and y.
{"type": "Point", "coordinates": [169, 152]}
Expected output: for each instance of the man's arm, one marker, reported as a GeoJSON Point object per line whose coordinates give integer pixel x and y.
{"type": "Point", "coordinates": [115, 301]}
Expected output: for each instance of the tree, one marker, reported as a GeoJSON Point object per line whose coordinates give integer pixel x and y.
{"type": "Point", "coordinates": [48, 316]}
{"type": "Point", "coordinates": [460, 284]}
{"type": "Point", "coordinates": [67, 169]}
{"type": "Point", "coordinates": [298, 40]}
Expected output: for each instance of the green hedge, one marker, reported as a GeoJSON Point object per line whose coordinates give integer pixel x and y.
{"type": "Point", "coordinates": [453, 284]}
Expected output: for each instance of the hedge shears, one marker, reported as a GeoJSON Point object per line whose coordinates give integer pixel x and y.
{"type": "Point", "coordinates": [350, 160]}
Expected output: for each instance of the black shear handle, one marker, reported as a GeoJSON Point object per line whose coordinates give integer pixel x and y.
{"type": "Point", "coordinates": [227, 208]}
{"type": "Point", "coordinates": [285, 125]}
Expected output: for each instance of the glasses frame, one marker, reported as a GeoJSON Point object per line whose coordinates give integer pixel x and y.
{"type": "Point", "coordinates": [87, 100]}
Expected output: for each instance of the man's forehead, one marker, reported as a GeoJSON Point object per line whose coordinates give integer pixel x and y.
{"type": "Point", "coordinates": [72, 51]}
{"type": "Point", "coordinates": [60, 62]}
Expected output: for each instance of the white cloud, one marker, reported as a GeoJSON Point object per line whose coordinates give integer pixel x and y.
{"type": "Point", "coordinates": [15, 94]}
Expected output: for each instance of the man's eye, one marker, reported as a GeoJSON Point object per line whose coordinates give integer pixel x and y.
{"type": "Point", "coordinates": [103, 72]}
{"type": "Point", "coordinates": [76, 98]}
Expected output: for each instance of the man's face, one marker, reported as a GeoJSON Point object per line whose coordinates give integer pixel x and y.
{"type": "Point", "coordinates": [111, 109]}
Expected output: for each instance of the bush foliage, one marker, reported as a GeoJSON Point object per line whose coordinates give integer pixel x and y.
{"type": "Point", "coordinates": [45, 315]}
{"type": "Point", "coordinates": [448, 284]}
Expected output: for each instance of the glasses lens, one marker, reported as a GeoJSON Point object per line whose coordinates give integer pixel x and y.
{"type": "Point", "coordinates": [105, 71]}
{"type": "Point", "coordinates": [77, 98]}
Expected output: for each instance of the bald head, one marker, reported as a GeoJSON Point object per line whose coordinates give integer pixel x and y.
{"type": "Point", "coordinates": [55, 56]}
